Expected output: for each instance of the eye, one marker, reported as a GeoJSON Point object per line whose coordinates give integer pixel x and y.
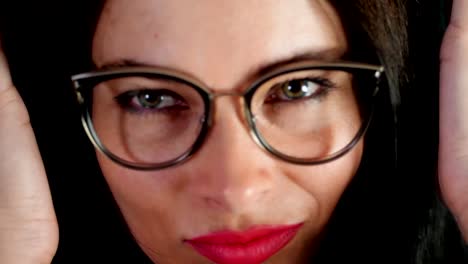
{"type": "Point", "coordinates": [299, 89]}
{"type": "Point", "coordinates": [151, 100]}
{"type": "Point", "coordinates": [148, 99]}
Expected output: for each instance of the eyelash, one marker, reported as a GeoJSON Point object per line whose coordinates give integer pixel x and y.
{"type": "Point", "coordinates": [325, 87]}
{"type": "Point", "coordinates": [125, 99]}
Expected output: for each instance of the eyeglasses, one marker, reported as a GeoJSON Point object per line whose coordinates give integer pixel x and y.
{"type": "Point", "coordinates": [305, 113]}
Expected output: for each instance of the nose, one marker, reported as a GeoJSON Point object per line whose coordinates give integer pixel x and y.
{"type": "Point", "coordinates": [231, 172]}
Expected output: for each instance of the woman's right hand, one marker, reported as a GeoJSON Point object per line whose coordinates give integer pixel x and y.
{"type": "Point", "coordinates": [28, 226]}
{"type": "Point", "coordinates": [453, 143]}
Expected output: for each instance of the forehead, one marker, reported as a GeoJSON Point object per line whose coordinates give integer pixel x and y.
{"type": "Point", "coordinates": [217, 41]}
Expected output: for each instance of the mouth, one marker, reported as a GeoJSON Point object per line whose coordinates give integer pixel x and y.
{"type": "Point", "coordinates": [252, 246]}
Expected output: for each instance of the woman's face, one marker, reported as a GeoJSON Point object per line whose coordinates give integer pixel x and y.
{"type": "Point", "coordinates": [193, 212]}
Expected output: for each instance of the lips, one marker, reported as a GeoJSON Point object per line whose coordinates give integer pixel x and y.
{"type": "Point", "coordinates": [252, 246]}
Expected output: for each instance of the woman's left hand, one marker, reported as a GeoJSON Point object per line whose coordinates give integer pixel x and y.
{"type": "Point", "coordinates": [453, 148]}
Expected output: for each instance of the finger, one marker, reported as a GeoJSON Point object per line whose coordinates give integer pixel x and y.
{"type": "Point", "coordinates": [459, 16]}
{"type": "Point", "coordinates": [454, 79]}
{"type": "Point", "coordinates": [453, 138]}
{"type": "Point", "coordinates": [28, 229]}
{"type": "Point", "coordinates": [5, 79]}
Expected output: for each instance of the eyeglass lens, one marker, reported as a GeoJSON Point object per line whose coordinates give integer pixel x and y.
{"type": "Point", "coordinates": [308, 114]}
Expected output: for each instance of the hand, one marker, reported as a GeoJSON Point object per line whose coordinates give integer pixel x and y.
{"type": "Point", "coordinates": [453, 148]}
{"type": "Point", "coordinates": [28, 226]}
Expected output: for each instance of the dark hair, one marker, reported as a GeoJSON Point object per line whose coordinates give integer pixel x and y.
{"type": "Point", "coordinates": [390, 213]}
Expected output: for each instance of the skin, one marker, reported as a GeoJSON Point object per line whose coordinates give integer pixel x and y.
{"type": "Point", "coordinates": [230, 184]}
{"type": "Point", "coordinates": [27, 219]}
{"type": "Point", "coordinates": [453, 147]}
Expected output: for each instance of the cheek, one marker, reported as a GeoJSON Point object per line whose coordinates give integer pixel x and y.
{"type": "Point", "coordinates": [147, 203]}
{"type": "Point", "coordinates": [326, 183]}
{"type": "Point", "coordinates": [160, 206]}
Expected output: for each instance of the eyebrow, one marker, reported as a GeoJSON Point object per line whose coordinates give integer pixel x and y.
{"type": "Point", "coordinates": [326, 55]}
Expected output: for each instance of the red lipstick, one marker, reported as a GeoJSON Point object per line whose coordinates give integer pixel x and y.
{"type": "Point", "coordinates": [252, 246]}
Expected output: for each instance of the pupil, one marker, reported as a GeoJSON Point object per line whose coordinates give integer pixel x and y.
{"type": "Point", "coordinates": [150, 100]}
{"type": "Point", "coordinates": [295, 88]}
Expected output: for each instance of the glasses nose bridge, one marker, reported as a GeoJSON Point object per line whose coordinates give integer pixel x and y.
{"type": "Point", "coordinates": [240, 107]}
